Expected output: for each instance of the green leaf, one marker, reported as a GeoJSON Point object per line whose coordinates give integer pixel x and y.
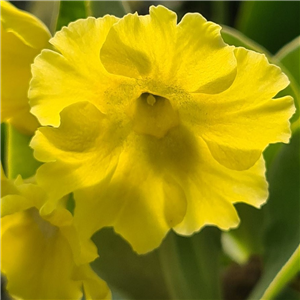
{"type": "Point", "coordinates": [220, 11]}
{"type": "Point", "coordinates": [47, 12]}
{"type": "Point", "coordinates": [285, 275]}
{"type": "Point", "coordinates": [181, 268]}
{"type": "Point", "coordinates": [191, 265]}
{"type": "Point", "coordinates": [234, 37]}
{"type": "Point", "coordinates": [289, 60]}
{"type": "Point", "coordinates": [119, 295]}
{"type": "Point", "coordinates": [270, 23]}
{"type": "Point", "coordinates": [247, 240]}
{"type": "Point", "coordinates": [70, 11]}
{"type": "Point", "coordinates": [282, 234]}
{"type": "Point", "coordinates": [290, 294]}
{"type": "Point", "coordinates": [3, 146]}
{"type": "Point", "coordinates": [289, 56]}
{"type": "Point", "coordinates": [102, 8]}
{"type": "Point", "coordinates": [20, 158]}
{"type": "Point", "coordinates": [140, 276]}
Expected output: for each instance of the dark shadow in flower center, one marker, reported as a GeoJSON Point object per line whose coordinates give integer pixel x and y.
{"type": "Point", "coordinates": [178, 153]}
{"type": "Point", "coordinates": [153, 115]}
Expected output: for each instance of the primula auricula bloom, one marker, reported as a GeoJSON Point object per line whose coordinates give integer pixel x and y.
{"type": "Point", "coordinates": [23, 37]}
{"type": "Point", "coordinates": [157, 125]}
{"type": "Point", "coordinates": [40, 252]}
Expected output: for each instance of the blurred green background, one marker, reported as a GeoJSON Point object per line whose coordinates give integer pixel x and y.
{"type": "Point", "coordinates": [272, 24]}
{"type": "Point", "coordinates": [213, 265]}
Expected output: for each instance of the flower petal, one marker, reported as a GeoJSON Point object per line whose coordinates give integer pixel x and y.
{"type": "Point", "coordinates": [22, 38]}
{"type": "Point", "coordinates": [98, 149]}
{"type": "Point", "coordinates": [71, 149]}
{"type": "Point", "coordinates": [73, 75]}
{"type": "Point", "coordinates": [33, 194]}
{"type": "Point", "coordinates": [12, 203]}
{"type": "Point", "coordinates": [171, 182]}
{"type": "Point", "coordinates": [16, 58]}
{"type": "Point", "coordinates": [7, 186]}
{"type": "Point", "coordinates": [19, 196]}
{"type": "Point", "coordinates": [141, 53]}
{"type": "Point", "coordinates": [159, 46]}
{"type": "Point", "coordinates": [93, 286]}
{"type": "Point", "coordinates": [140, 202]}
{"type": "Point", "coordinates": [203, 62]}
{"type": "Point", "coordinates": [30, 30]}
{"type": "Point", "coordinates": [37, 266]}
{"type": "Point", "coordinates": [176, 171]}
{"type": "Point", "coordinates": [212, 190]}
{"type": "Point", "coordinates": [150, 138]}
{"type": "Point", "coordinates": [83, 252]}
{"type": "Point", "coordinates": [239, 123]}
{"type": "Point", "coordinates": [41, 253]}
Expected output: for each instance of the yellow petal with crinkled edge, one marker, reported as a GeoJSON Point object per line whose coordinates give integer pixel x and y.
{"type": "Point", "coordinates": [211, 189]}
{"type": "Point", "coordinates": [141, 202]}
{"type": "Point", "coordinates": [36, 259]}
{"type": "Point", "coordinates": [98, 149]}
{"type": "Point", "coordinates": [75, 74]}
{"type": "Point", "coordinates": [141, 53]}
{"type": "Point", "coordinates": [93, 286]}
{"type": "Point", "coordinates": [164, 130]}
{"type": "Point", "coordinates": [83, 130]}
{"type": "Point", "coordinates": [41, 253]}
{"type": "Point", "coordinates": [20, 196]}
{"type": "Point", "coordinates": [169, 183]}
{"type": "Point", "coordinates": [239, 123]}
{"type": "Point", "coordinates": [194, 60]}
{"type": "Point", "coordinates": [203, 62]}
{"type": "Point", "coordinates": [23, 36]}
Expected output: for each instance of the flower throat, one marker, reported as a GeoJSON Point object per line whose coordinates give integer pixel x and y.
{"type": "Point", "coordinates": [153, 115]}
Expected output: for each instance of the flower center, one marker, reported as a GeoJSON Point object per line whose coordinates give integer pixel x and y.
{"type": "Point", "coordinates": [153, 115]}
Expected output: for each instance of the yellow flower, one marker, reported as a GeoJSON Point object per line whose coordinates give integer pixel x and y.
{"type": "Point", "coordinates": [40, 252]}
{"type": "Point", "coordinates": [22, 38]}
{"type": "Point", "coordinates": [155, 125]}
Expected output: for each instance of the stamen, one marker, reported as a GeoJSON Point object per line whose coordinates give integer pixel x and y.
{"type": "Point", "coordinates": [151, 100]}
